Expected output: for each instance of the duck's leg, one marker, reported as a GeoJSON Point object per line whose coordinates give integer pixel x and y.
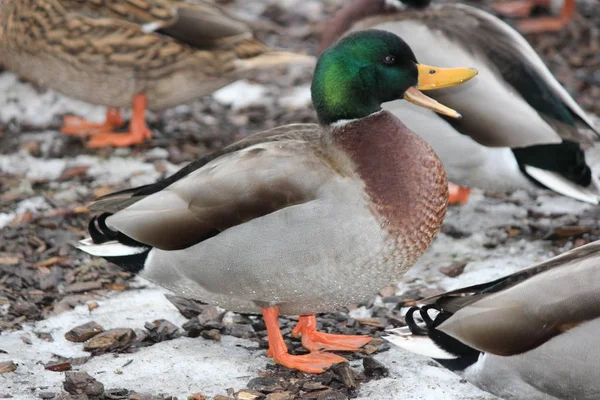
{"type": "Point", "coordinates": [314, 340]}
{"type": "Point", "coordinates": [138, 130]}
{"type": "Point", "coordinates": [549, 24]}
{"type": "Point", "coordinates": [78, 126]}
{"type": "Point", "coordinates": [458, 194]}
{"type": "Point", "coordinates": [517, 9]}
{"type": "Point", "coordinates": [314, 362]}
{"type": "Point", "coordinates": [523, 8]}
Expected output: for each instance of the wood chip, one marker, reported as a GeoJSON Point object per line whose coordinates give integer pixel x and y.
{"type": "Point", "coordinates": [563, 232]}
{"type": "Point", "coordinates": [112, 340]}
{"type": "Point", "coordinates": [7, 366]}
{"type": "Point", "coordinates": [92, 305]}
{"type": "Point", "coordinates": [248, 395]}
{"type": "Point", "coordinates": [50, 261]}
{"type": "Point", "coordinates": [79, 287]}
{"type": "Point", "coordinates": [376, 322]}
{"type": "Point", "coordinates": [102, 190]}
{"type": "Point", "coordinates": [72, 172]}
{"type": "Point", "coordinates": [8, 260]}
{"type": "Point", "coordinates": [454, 270]}
{"type": "Point", "coordinates": [84, 332]}
{"type": "Point", "coordinates": [58, 366]}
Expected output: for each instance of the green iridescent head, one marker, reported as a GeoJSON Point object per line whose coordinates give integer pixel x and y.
{"type": "Point", "coordinates": [354, 76]}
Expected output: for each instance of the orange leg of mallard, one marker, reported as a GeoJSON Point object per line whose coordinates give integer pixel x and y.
{"type": "Point", "coordinates": [536, 25]}
{"type": "Point", "coordinates": [313, 363]}
{"type": "Point", "coordinates": [77, 126]}
{"type": "Point", "coordinates": [138, 130]}
{"type": "Point", "coordinates": [314, 340]}
{"type": "Point", "coordinates": [516, 9]}
{"type": "Point", "coordinates": [549, 24]}
{"type": "Point", "coordinates": [458, 194]}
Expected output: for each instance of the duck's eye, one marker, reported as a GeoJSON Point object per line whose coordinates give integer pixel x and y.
{"type": "Point", "coordinates": [389, 59]}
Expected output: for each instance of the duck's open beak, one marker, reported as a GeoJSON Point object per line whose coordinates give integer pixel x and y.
{"type": "Point", "coordinates": [431, 78]}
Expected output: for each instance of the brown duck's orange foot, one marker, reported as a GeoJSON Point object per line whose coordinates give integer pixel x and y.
{"type": "Point", "coordinates": [539, 25]}
{"type": "Point", "coordinates": [314, 340]}
{"type": "Point", "coordinates": [77, 126]}
{"type": "Point", "coordinates": [458, 194]}
{"type": "Point", "coordinates": [138, 130]}
{"type": "Point", "coordinates": [515, 9]}
{"type": "Point", "coordinates": [312, 363]}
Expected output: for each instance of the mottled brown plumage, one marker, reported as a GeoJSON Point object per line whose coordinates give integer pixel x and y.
{"type": "Point", "coordinates": [107, 51]}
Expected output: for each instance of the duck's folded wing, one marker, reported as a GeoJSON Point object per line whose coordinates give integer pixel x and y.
{"type": "Point", "coordinates": [522, 311]}
{"type": "Point", "coordinates": [230, 190]}
{"type": "Point", "coordinates": [198, 23]}
{"type": "Point", "coordinates": [116, 201]}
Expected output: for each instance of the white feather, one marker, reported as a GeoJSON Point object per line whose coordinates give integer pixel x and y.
{"type": "Point", "coordinates": [108, 249]}
{"type": "Point", "coordinates": [151, 26]}
{"type": "Point", "coordinates": [421, 345]}
{"type": "Point", "coordinates": [561, 185]}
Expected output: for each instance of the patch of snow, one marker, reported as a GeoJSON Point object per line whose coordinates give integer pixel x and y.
{"type": "Point", "coordinates": [23, 103]}
{"type": "Point", "coordinates": [298, 98]}
{"type": "Point", "coordinates": [111, 171]}
{"type": "Point", "coordinates": [6, 218]}
{"type": "Point", "coordinates": [241, 94]}
{"type": "Point", "coordinates": [32, 167]}
{"type": "Point", "coordinates": [414, 377]}
{"type": "Point", "coordinates": [179, 367]}
{"type": "Point", "coordinates": [360, 312]}
{"type": "Point", "coordinates": [32, 204]}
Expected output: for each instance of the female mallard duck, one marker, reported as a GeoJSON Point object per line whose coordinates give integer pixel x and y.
{"type": "Point", "coordinates": [520, 128]}
{"type": "Point", "coordinates": [159, 53]}
{"type": "Point", "coordinates": [302, 218]}
{"type": "Point", "coordinates": [522, 8]}
{"type": "Point", "coordinates": [530, 335]}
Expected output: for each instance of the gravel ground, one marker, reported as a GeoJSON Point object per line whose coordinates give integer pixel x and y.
{"type": "Point", "coordinates": [48, 288]}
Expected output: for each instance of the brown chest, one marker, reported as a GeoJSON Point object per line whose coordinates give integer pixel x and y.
{"type": "Point", "coordinates": [404, 180]}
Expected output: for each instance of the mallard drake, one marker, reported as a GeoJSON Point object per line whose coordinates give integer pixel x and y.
{"type": "Point", "coordinates": [521, 129]}
{"type": "Point", "coordinates": [522, 8]}
{"type": "Point", "coordinates": [529, 335]}
{"type": "Point", "coordinates": [302, 218]}
{"type": "Point", "coordinates": [159, 53]}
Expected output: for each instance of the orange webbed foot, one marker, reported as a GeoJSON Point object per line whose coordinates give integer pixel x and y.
{"type": "Point", "coordinates": [312, 363]}
{"type": "Point", "coordinates": [133, 137]}
{"type": "Point", "coordinates": [458, 194]}
{"type": "Point", "coordinates": [138, 130]}
{"type": "Point", "coordinates": [78, 126]}
{"type": "Point", "coordinates": [314, 340]}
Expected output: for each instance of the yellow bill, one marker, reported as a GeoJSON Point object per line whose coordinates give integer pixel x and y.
{"type": "Point", "coordinates": [431, 78]}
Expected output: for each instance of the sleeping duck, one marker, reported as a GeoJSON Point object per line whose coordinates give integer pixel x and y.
{"type": "Point", "coordinates": [530, 335]}
{"type": "Point", "coordinates": [152, 54]}
{"type": "Point", "coordinates": [521, 129]}
{"type": "Point", "coordinates": [302, 218]}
